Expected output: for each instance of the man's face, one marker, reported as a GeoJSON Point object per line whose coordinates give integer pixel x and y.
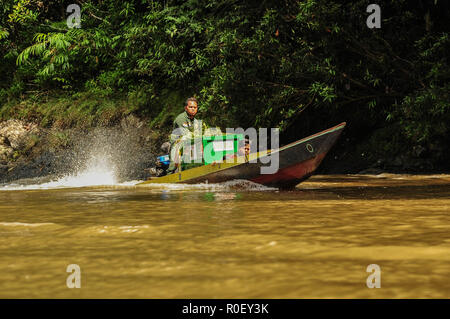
{"type": "Point", "coordinates": [244, 150]}
{"type": "Point", "coordinates": [191, 108]}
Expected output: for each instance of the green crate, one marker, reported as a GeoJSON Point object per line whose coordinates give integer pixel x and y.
{"type": "Point", "coordinates": [215, 147]}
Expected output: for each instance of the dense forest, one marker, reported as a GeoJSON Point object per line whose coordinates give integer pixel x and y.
{"type": "Point", "coordinates": [301, 66]}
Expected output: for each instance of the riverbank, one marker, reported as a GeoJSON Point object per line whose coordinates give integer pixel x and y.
{"type": "Point", "coordinates": [59, 135]}
{"type": "Point", "coordinates": [29, 151]}
{"type": "Point", "coordinates": [53, 137]}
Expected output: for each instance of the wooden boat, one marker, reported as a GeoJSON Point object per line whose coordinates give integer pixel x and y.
{"type": "Point", "coordinates": [297, 162]}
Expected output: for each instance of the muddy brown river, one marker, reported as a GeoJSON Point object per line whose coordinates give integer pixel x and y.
{"type": "Point", "coordinates": [234, 240]}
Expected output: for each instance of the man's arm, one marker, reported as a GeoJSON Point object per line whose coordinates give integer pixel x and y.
{"type": "Point", "coordinates": [178, 131]}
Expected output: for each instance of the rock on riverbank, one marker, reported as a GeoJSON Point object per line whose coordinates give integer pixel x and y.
{"type": "Point", "coordinates": [14, 136]}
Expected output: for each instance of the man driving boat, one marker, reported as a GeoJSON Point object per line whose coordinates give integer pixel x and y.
{"type": "Point", "coordinates": [185, 127]}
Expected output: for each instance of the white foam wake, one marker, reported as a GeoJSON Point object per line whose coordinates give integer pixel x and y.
{"type": "Point", "coordinates": [237, 184]}
{"type": "Point", "coordinates": [98, 172]}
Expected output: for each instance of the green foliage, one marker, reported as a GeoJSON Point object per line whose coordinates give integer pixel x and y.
{"type": "Point", "coordinates": [22, 13]}
{"type": "Point", "coordinates": [265, 63]}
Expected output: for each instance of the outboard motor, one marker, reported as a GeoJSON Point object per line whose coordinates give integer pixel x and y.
{"type": "Point", "coordinates": [162, 164]}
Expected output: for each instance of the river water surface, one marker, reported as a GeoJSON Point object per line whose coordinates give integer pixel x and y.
{"type": "Point", "coordinates": [235, 240]}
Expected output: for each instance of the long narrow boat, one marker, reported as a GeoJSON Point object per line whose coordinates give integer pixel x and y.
{"type": "Point", "coordinates": [297, 162]}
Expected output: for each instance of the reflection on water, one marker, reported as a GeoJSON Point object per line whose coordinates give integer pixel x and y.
{"type": "Point", "coordinates": [232, 241]}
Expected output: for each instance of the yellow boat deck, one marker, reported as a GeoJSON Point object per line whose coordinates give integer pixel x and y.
{"type": "Point", "coordinates": [183, 176]}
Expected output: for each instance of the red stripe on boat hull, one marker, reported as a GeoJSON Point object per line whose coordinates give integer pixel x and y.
{"type": "Point", "coordinates": [291, 175]}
